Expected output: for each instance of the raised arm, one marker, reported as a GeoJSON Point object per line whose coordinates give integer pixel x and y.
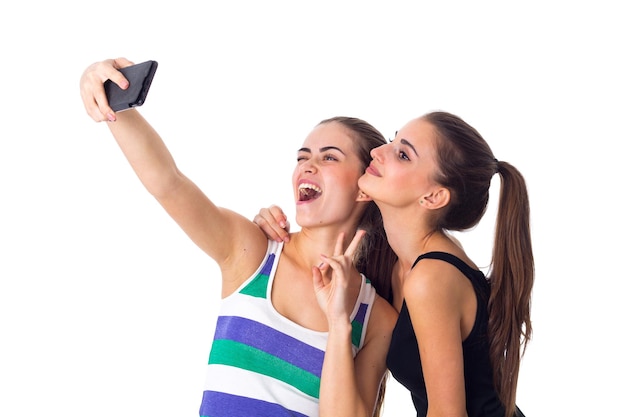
{"type": "Point", "coordinates": [221, 233]}
{"type": "Point", "coordinates": [349, 387]}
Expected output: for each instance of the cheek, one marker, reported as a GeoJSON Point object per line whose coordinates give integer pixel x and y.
{"type": "Point", "coordinates": [399, 183]}
{"type": "Point", "coordinates": [398, 178]}
{"type": "Point", "coordinates": [294, 178]}
{"type": "Point", "coordinates": [349, 182]}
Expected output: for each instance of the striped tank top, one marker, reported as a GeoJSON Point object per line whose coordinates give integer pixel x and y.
{"type": "Point", "coordinates": [262, 364]}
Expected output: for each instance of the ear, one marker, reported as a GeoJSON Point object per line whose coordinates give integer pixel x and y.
{"type": "Point", "coordinates": [363, 197]}
{"type": "Point", "coordinates": [436, 199]}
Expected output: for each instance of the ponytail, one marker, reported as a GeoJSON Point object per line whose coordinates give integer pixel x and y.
{"type": "Point", "coordinates": [511, 279]}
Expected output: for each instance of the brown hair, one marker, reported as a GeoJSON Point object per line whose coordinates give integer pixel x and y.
{"type": "Point", "coordinates": [466, 166]}
{"type": "Point", "coordinates": [375, 258]}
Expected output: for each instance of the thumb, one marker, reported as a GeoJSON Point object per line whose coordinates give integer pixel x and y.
{"type": "Point", "coordinates": [318, 280]}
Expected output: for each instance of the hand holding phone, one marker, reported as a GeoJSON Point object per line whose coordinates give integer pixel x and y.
{"type": "Point", "coordinates": [139, 77]}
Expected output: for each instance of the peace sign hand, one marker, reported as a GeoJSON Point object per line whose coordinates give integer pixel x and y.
{"type": "Point", "coordinates": [337, 281]}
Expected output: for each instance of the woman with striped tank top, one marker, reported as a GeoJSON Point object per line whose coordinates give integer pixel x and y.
{"type": "Point", "coordinates": [293, 336]}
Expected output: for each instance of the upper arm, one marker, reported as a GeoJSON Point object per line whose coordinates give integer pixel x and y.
{"type": "Point", "coordinates": [232, 240]}
{"type": "Point", "coordinates": [433, 299]}
{"type": "Point", "coordinates": [370, 362]}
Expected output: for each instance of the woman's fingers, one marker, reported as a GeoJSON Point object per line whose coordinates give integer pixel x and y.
{"type": "Point", "coordinates": [355, 243]}
{"type": "Point", "coordinates": [273, 222]}
{"type": "Point", "coordinates": [92, 87]}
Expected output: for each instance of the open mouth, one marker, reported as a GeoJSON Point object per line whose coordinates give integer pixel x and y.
{"type": "Point", "coordinates": [309, 192]}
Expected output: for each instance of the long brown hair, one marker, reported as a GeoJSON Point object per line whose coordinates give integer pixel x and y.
{"type": "Point", "coordinates": [375, 258]}
{"type": "Point", "coordinates": [466, 166]}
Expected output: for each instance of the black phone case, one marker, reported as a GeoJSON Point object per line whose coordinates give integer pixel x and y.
{"type": "Point", "coordinates": [139, 77]}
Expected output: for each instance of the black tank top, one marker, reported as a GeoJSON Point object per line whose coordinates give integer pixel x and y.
{"type": "Point", "coordinates": [403, 359]}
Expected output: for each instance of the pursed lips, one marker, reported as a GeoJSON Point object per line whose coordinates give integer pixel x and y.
{"type": "Point", "coordinates": [372, 171]}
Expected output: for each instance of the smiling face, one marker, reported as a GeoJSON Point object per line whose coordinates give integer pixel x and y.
{"type": "Point", "coordinates": [401, 173]}
{"type": "Point", "coordinates": [325, 179]}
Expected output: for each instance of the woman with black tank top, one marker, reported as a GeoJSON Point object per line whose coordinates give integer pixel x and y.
{"type": "Point", "coordinates": [460, 335]}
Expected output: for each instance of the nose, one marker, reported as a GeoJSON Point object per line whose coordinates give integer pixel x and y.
{"type": "Point", "coordinates": [377, 153]}
{"type": "Point", "coordinates": [308, 166]}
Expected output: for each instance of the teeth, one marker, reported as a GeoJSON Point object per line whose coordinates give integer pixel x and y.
{"type": "Point", "coordinates": [308, 191]}
{"type": "Point", "coordinates": [310, 187]}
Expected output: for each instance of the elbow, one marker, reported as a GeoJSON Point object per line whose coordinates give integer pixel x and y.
{"type": "Point", "coordinates": [162, 184]}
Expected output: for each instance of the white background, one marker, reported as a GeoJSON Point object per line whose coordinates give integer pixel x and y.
{"type": "Point", "coordinates": [106, 308]}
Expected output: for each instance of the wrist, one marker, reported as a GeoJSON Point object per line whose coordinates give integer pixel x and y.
{"type": "Point", "coordinates": [340, 325]}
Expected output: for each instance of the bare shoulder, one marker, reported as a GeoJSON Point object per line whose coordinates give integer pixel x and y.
{"type": "Point", "coordinates": [248, 245]}
{"type": "Point", "coordinates": [384, 316]}
{"type": "Point", "coordinates": [433, 285]}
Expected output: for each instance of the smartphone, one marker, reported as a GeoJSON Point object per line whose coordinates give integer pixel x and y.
{"type": "Point", "coordinates": [139, 77]}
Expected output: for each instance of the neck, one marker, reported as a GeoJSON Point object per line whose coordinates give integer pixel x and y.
{"type": "Point", "coordinates": [407, 233]}
{"type": "Point", "coordinates": [310, 243]}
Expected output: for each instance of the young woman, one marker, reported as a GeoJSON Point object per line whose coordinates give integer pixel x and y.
{"type": "Point", "coordinates": [283, 345]}
{"type": "Point", "coordinates": [459, 338]}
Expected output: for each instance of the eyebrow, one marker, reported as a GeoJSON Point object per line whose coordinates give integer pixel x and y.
{"type": "Point", "coordinates": [323, 149]}
{"type": "Point", "coordinates": [407, 143]}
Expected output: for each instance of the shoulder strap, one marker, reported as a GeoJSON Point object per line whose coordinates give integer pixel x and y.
{"type": "Point", "coordinates": [362, 313]}
{"type": "Point", "coordinates": [449, 258]}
